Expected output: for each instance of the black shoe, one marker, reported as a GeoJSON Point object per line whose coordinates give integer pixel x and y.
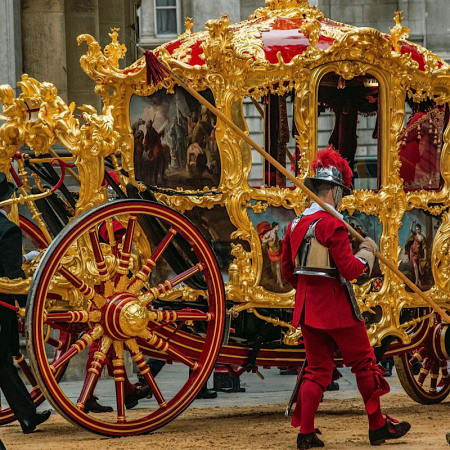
{"type": "Point", "coordinates": [206, 393]}
{"type": "Point", "coordinates": [29, 425]}
{"type": "Point", "coordinates": [333, 386]}
{"type": "Point", "coordinates": [139, 393]}
{"type": "Point", "coordinates": [2, 446]}
{"type": "Point", "coordinates": [309, 440]}
{"type": "Point", "coordinates": [390, 430]}
{"type": "Point", "coordinates": [93, 406]}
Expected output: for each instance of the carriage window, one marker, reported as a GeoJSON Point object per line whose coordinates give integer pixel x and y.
{"type": "Point", "coordinates": [271, 123]}
{"type": "Point", "coordinates": [421, 144]}
{"type": "Point", "coordinates": [348, 119]}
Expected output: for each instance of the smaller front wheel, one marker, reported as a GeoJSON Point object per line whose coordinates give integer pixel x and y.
{"type": "Point", "coordinates": [423, 373]}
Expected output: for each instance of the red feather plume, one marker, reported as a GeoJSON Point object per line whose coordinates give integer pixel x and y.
{"type": "Point", "coordinates": [330, 157]}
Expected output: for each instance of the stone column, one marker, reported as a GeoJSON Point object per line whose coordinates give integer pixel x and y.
{"type": "Point", "coordinates": [203, 11]}
{"type": "Point", "coordinates": [130, 30]}
{"type": "Point", "coordinates": [11, 48]}
{"type": "Point", "coordinates": [81, 18]}
{"type": "Point", "coordinates": [43, 42]}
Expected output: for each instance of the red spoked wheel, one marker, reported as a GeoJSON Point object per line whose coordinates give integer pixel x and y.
{"type": "Point", "coordinates": [423, 372]}
{"type": "Point", "coordinates": [60, 343]}
{"type": "Point", "coordinates": [121, 284]}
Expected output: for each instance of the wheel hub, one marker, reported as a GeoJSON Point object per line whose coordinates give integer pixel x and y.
{"type": "Point", "coordinates": [124, 317]}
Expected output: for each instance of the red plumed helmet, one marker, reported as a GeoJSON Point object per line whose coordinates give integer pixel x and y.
{"type": "Point", "coordinates": [330, 166]}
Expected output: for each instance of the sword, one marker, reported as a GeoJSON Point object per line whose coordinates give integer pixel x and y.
{"type": "Point", "coordinates": [296, 388]}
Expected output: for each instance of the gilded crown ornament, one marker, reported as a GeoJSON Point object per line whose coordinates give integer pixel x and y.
{"type": "Point", "coordinates": [399, 32]}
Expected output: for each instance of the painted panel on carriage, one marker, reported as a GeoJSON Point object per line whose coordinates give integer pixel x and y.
{"type": "Point", "coordinates": [271, 227]}
{"type": "Point", "coordinates": [415, 237]}
{"type": "Point", "coordinates": [216, 227]}
{"type": "Point", "coordinates": [174, 140]}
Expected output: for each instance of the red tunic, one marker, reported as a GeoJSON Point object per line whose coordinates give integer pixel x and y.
{"type": "Point", "coordinates": [323, 301]}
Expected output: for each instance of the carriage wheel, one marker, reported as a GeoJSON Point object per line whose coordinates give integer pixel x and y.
{"type": "Point", "coordinates": [423, 373]}
{"type": "Point", "coordinates": [119, 295]}
{"type": "Point", "coordinates": [60, 344]}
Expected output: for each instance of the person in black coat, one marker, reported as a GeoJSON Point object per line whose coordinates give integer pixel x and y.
{"type": "Point", "coordinates": [11, 260]}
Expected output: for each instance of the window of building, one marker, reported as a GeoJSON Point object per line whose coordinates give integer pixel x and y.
{"type": "Point", "coordinates": [166, 14]}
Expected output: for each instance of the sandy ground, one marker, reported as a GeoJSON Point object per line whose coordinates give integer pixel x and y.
{"type": "Point", "coordinates": [343, 424]}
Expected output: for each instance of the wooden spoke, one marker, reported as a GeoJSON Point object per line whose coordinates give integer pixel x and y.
{"type": "Point", "coordinates": [424, 371]}
{"type": "Point", "coordinates": [162, 345]}
{"type": "Point", "coordinates": [434, 375]}
{"type": "Point", "coordinates": [154, 293]}
{"type": "Point", "coordinates": [184, 314]}
{"type": "Point", "coordinates": [94, 372]}
{"type": "Point", "coordinates": [125, 254]}
{"type": "Point", "coordinates": [77, 347]}
{"type": "Point", "coordinates": [73, 316]}
{"type": "Point", "coordinates": [107, 286]}
{"type": "Point", "coordinates": [112, 239]}
{"type": "Point", "coordinates": [82, 287]}
{"type": "Point", "coordinates": [20, 360]}
{"type": "Point", "coordinates": [119, 379]}
{"type": "Point", "coordinates": [136, 355]}
{"type": "Point", "coordinates": [54, 342]}
{"type": "Point", "coordinates": [141, 277]}
{"type": "Point", "coordinates": [70, 316]}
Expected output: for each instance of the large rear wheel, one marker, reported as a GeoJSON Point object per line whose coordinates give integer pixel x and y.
{"type": "Point", "coordinates": [122, 282]}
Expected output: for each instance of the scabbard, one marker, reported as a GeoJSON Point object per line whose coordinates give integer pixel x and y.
{"type": "Point", "coordinates": [296, 388]}
{"type": "Point", "coordinates": [352, 298]}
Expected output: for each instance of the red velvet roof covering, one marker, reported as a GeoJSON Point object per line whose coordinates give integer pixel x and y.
{"type": "Point", "coordinates": [286, 38]}
{"type": "Point", "coordinates": [280, 34]}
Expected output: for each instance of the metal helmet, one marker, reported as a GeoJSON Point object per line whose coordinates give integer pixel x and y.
{"type": "Point", "coordinates": [331, 167]}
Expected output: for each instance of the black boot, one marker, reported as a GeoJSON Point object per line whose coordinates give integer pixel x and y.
{"type": "Point", "coordinates": [390, 430]}
{"type": "Point", "coordinates": [333, 386]}
{"type": "Point", "coordinates": [30, 424]}
{"type": "Point", "coordinates": [309, 440]}
{"type": "Point", "coordinates": [92, 405]}
{"type": "Point", "coordinates": [139, 393]}
{"type": "Point", "coordinates": [206, 393]}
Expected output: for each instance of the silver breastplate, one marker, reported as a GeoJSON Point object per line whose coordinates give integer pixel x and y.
{"type": "Point", "coordinates": [313, 258]}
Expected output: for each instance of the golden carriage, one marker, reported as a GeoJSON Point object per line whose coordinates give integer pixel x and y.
{"type": "Point", "coordinates": [164, 289]}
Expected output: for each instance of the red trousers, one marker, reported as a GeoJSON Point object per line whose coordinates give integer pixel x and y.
{"type": "Point", "coordinates": [357, 353]}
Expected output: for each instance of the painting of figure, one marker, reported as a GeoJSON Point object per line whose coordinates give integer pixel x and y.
{"type": "Point", "coordinates": [271, 227]}
{"type": "Point", "coordinates": [416, 238]}
{"type": "Point", "coordinates": [416, 249]}
{"type": "Point", "coordinates": [174, 140]}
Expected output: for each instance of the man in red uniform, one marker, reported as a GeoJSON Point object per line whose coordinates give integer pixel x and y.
{"type": "Point", "coordinates": [317, 260]}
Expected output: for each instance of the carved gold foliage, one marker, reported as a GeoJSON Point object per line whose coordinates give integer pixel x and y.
{"type": "Point", "coordinates": [115, 51]}
{"type": "Point", "coordinates": [311, 26]}
{"type": "Point", "coordinates": [289, 8]}
{"type": "Point", "coordinates": [399, 31]}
